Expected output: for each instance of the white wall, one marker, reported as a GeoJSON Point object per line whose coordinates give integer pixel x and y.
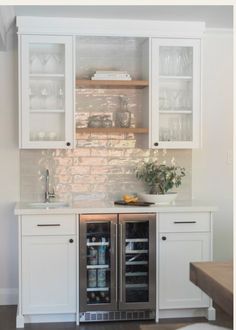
{"type": "Point", "coordinates": [212, 170]}
{"type": "Point", "coordinates": [9, 175]}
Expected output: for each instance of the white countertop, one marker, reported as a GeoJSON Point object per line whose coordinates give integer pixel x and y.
{"type": "Point", "coordinates": [95, 206]}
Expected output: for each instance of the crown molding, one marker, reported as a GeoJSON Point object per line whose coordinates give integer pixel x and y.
{"type": "Point", "coordinates": [108, 27]}
{"type": "Point", "coordinates": [219, 31]}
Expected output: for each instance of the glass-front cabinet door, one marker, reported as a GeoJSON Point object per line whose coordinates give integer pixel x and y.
{"type": "Point", "coordinates": [175, 93]}
{"type": "Point", "coordinates": [98, 288]}
{"type": "Point", "coordinates": [46, 91]}
{"type": "Point", "coordinates": [137, 271]}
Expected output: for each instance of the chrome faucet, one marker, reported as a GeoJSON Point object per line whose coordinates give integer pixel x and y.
{"type": "Point", "coordinates": [48, 194]}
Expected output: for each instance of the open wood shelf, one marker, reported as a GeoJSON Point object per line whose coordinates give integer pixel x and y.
{"type": "Point", "coordinates": [82, 83]}
{"type": "Point", "coordinates": [104, 130]}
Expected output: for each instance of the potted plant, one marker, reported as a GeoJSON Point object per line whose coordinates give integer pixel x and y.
{"type": "Point", "coordinates": [160, 178]}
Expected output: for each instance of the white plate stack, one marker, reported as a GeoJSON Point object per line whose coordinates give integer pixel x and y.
{"type": "Point", "coordinates": [111, 75]}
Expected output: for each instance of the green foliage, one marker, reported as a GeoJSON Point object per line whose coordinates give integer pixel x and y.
{"type": "Point", "coordinates": [160, 178]}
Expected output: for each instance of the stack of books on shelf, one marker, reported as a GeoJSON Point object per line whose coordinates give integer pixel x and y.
{"type": "Point", "coordinates": [111, 75]}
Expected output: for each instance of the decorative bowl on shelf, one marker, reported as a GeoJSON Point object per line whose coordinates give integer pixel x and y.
{"type": "Point", "coordinates": [95, 121]}
{"type": "Point", "coordinates": [158, 198]}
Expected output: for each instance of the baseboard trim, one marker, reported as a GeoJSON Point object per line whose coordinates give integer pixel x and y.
{"type": "Point", "coordinates": [8, 296]}
{"type": "Point", "coordinates": [48, 318]}
{"type": "Point", "coordinates": [176, 313]}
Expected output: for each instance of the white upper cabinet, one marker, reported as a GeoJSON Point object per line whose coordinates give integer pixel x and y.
{"type": "Point", "coordinates": [46, 91]}
{"type": "Point", "coordinates": [175, 93]}
{"type": "Point", "coordinates": [58, 57]}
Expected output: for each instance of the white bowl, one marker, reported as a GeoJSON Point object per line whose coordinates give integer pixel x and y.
{"type": "Point", "coordinates": [158, 199]}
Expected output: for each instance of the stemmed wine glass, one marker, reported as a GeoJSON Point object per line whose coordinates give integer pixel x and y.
{"type": "Point", "coordinates": [58, 61]}
{"type": "Point", "coordinates": [44, 58]}
{"type": "Point", "coordinates": [32, 59]}
{"type": "Point", "coordinates": [186, 62]}
{"type": "Point", "coordinates": [44, 94]}
{"type": "Point", "coordinates": [60, 95]}
{"type": "Point", "coordinates": [31, 96]}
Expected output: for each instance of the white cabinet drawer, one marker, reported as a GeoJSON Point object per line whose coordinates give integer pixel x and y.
{"type": "Point", "coordinates": [49, 224]}
{"type": "Point", "coordinates": [184, 222]}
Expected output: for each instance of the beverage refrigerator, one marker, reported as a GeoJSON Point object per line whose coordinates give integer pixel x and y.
{"type": "Point", "coordinates": [117, 267]}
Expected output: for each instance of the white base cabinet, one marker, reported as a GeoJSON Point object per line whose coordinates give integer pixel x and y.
{"type": "Point", "coordinates": [176, 252]}
{"type": "Point", "coordinates": [48, 277]}
{"type": "Point", "coordinates": [183, 238]}
{"type": "Point", "coordinates": [47, 265]}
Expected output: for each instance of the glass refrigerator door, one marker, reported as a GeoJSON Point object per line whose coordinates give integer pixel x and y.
{"type": "Point", "coordinates": [137, 254]}
{"type": "Point", "coordinates": [97, 264]}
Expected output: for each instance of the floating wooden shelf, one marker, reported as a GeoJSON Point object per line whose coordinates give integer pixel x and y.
{"type": "Point", "coordinates": [111, 130]}
{"type": "Point", "coordinates": [111, 83]}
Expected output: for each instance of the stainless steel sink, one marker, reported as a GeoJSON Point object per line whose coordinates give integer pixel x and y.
{"type": "Point", "coordinates": [48, 205]}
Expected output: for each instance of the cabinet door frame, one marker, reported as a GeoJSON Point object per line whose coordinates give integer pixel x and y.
{"type": "Point", "coordinates": [24, 124]}
{"type": "Point", "coordinates": [138, 217]}
{"type": "Point", "coordinates": [164, 302]}
{"type": "Point", "coordinates": [68, 306]}
{"type": "Point", "coordinates": [196, 87]}
{"type": "Point", "coordinates": [97, 218]}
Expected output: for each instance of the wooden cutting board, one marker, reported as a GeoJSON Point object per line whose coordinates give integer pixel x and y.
{"type": "Point", "coordinates": [132, 203]}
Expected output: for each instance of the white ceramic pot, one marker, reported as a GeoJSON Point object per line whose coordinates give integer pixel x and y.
{"type": "Point", "coordinates": [158, 199]}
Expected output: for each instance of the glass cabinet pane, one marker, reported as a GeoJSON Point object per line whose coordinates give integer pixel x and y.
{"type": "Point", "coordinates": [137, 261]}
{"type": "Point", "coordinates": [46, 91]}
{"type": "Point", "coordinates": [46, 58]}
{"type": "Point", "coordinates": [175, 93]}
{"type": "Point", "coordinates": [176, 61]}
{"type": "Point", "coordinates": [98, 238]}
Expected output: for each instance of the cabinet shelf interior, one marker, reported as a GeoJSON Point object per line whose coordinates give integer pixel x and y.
{"type": "Point", "coordinates": [47, 111]}
{"type": "Point", "coordinates": [176, 112]}
{"type": "Point", "coordinates": [46, 75]}
{"type": "Point", "coordinates": [177, 77]}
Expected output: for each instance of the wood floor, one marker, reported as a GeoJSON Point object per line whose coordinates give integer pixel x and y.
{"type": "Point", "coordinates": [8, 322]}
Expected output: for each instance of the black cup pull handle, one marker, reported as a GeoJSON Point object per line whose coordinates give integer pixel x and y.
{"type": "Point", "coordinates": [163, 238]}
{"type": "Point", "coordinates": [180, 222]}
{"type": "Point", "coordinates": [71, 240]}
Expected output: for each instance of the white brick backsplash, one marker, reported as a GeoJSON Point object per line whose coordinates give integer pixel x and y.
{"type": "Point", "coordinates": [92, 143]}
{"type": "Point", "coordinates": [106, 171]}
{"type": "Point", "coordinates": [102, 164]}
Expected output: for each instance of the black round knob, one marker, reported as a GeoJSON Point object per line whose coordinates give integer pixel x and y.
{"type": "Point", "coordinates": [156, 144]}
{"type": "Point", "coordinates": [68, 144]}
{"type": "Point", "coordinates": [163, 238]}
{"type": "Point", "coordinates": [71, 240]}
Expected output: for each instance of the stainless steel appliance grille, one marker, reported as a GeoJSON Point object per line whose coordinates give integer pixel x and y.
{"type": "Point", "coordinates": [117, 316]}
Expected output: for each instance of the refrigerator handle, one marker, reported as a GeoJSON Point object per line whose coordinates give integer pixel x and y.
{"type": "Point", "coordinates": [121, 262]}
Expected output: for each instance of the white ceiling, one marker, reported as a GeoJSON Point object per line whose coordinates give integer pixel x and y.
{"type": "Point", "coordinates": [214, 16]}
